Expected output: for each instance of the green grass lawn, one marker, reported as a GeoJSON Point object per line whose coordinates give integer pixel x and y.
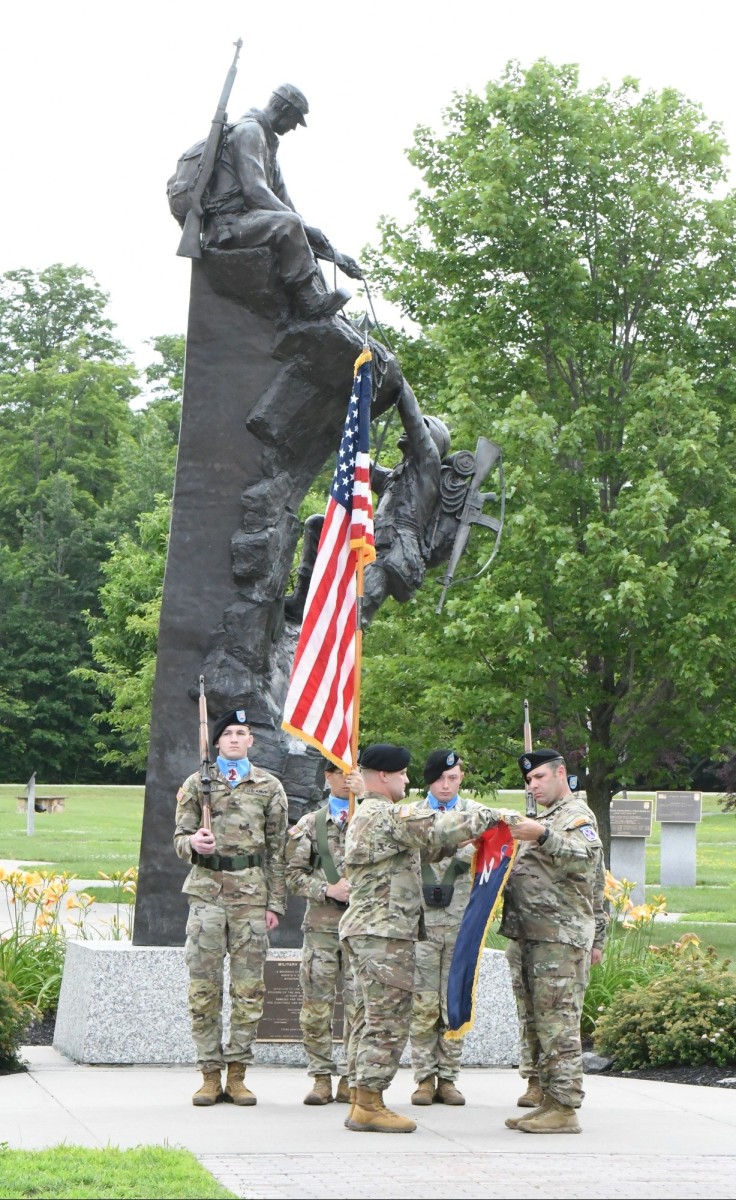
{"type": "Point", "coordinates": [72, 1171]}
{"type": "Point", "coordinates": [709, 909]}
{"type": "Point", "coordinates": [99, 830]}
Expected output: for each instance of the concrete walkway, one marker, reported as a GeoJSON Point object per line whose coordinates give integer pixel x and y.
{"type": "Point", "coordinates": [640, 1139]}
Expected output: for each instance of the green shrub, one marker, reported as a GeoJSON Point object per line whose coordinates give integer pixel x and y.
{"type": "Point", "coordinates": [685, 1017]}
{"type": "Point", "coordinates": [15, 1018]}
{"type": "Point", "coordinates": [34, 964]}
{"type": "Point", "coordinates": [629, 959]}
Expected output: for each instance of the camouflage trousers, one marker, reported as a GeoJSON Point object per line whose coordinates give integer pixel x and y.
{"type": "Point", "coordinates": [549, 981]}
{"type": "Point", "coordinates": [431, 1052]}
{"type": "Point", "coordinates": [214, 930]}
{"type": "Point", "coordinates": [323, 970]}
{"type": "Point", "coordinates": [383, 975]}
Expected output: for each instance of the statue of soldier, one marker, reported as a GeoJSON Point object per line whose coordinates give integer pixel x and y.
{"type": "Point", "coordinates": [248, 206]}
{"type": "Point", "coordinates": [408, 495]}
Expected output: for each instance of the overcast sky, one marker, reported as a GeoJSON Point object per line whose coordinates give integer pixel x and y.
{"type": "Point", "coordinates": [99, 98]}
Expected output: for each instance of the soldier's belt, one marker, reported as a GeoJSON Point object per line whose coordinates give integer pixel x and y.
{"type": "Point", "coordinates": [438, 895]}
{"type": "Point", "coordinates": [223, 862]}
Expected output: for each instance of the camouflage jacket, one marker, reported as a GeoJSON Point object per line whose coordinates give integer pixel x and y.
{"type": "Point", "coordinates": [304, 875]}
{"type": "Point", "coordinates": [248, 819]}
{"type": "Point", "coordinates": [382, 861]}
{"type": "Point", "coordinates": [555, 891]}
{"type": "Point", "coordinates": [452, 915]}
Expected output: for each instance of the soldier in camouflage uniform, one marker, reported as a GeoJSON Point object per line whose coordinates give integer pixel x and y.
{"type": "Point", "coordinates": [236, 889]}
{"type": "Point", "coordinates": [382, 923]}
{"type": "Point", "coordinates": [315, 853]}
{"type": "Point", "coordinates": [446, 890]}
{"type": "Point", "coordinates": [553, 909]}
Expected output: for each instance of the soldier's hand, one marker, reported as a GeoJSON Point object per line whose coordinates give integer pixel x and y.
{"type": "Point", "coordinates": [356, 783]}
{"type": "Point", "coordinates": [272, 920]}
{"type": "Point", "coordinates": [202, 841]}
{"type": "Point", "coordinates": [527, 830]}
{"type": "Point", "coordinates": [596, 955]}
{"type": "Point", "coordinates": [349, 266]}
{"type": "Point", "coordinates": [510, 816]}
{"type": "Point", "coordinates": [339, 891]}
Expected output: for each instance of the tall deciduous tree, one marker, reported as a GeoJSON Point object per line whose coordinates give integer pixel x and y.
{"type": "Point", "coordinates": [64, 405]}
{"type": "Point", "coordinates": [573, 263]}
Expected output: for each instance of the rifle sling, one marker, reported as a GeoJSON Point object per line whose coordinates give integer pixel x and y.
{"type": "Point", "coordinates": [324, 859]}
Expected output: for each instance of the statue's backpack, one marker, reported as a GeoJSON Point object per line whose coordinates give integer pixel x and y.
{"type": "Point", "coordinates": [180, 186]}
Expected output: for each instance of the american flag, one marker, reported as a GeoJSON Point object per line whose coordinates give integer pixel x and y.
{"type": "Point", "coordinates": [319, 703]}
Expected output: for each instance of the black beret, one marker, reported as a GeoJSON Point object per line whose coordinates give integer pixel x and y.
{"type": "Point", "coordinates": [438, 762]}
{"type": "Point", "coordinates": [537, 758]}
{"type": "Point", "coordinates": [385, 757]}
{"type": "Point", "coordinates": [328, 766]}
{"type": "Point", "coordinates": [236, 716]}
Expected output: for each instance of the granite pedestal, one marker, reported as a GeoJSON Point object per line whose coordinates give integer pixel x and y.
{"type": "Point", "coordinates": [628, 861]}
{"type": "Point", "coordinates": [678, 855]}
{"type": "Point", "coordinates": [128, 1004]}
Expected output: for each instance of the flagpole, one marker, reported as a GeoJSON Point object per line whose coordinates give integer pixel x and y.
{"type": "Point", "coordinates": [355, 731]}
{"type": "Point", "coordinates": [359, 568]}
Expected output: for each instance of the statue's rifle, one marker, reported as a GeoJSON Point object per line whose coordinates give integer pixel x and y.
{"type": "Point", "coordinates": [190, 245]}
{"type": "Point", "coordinates": [486, 454]}
{"type": "Point", "coordinates": [204, 758]}
{"type": "Point", "coordinates": [531, 804]}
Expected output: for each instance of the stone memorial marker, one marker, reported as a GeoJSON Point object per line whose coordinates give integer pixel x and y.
{"type": "Point", "coordinates": [679, 813]}
{"type": "Point", "coordinates": [631, 825]}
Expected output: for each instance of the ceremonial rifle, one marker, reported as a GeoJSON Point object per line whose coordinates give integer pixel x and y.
{"type": "Point", "coordinates": [486, 454]}
{"type": "Point", "coordinates": [190, 245]}
{"type": "Point", "coordinates": [531, 804]}
{"type": "Point", "coordinates": [204, 757]}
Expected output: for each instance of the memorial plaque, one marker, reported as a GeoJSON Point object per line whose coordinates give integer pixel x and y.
{"type": "Point", "coordinates": [631, 818]}
{"type": "Point", "coordinates": [280, 1020]}
{"type": "Point", "coordinates": [682, 808]}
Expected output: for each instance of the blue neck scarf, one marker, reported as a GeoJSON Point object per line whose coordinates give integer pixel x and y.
{"type": "Point", "coordinates": [441, 805]}
{"type": "Point", "coordinates": [233, 770]}
{"type": "Point", "coordinates": [338, 810]}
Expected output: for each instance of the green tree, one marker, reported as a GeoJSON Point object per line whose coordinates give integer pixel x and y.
{"type": "Point", "coordinates": [64, 406]}
{"type": "Point", "coordinates": [572, 267]}
{"type": "Point", "coordinates": [125, 635]}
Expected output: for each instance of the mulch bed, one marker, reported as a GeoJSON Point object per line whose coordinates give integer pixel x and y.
{"type": "Point", "coordinates": [704, 1076]}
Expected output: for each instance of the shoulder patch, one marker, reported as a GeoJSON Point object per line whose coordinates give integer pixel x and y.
{"type": "Point", "coordinates": [180, 795]}
{"type": "Point", "coordinates": [588, 832]}
{"type": "Point", "coordinates": [578, 822]}
{"type": "Point", "coordinates": [296, 832]}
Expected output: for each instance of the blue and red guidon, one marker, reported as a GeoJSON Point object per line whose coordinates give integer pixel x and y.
{"type": "Point", "coordinates": [319, 703]}
{"type": "Point", "coordinates": [494, 854]}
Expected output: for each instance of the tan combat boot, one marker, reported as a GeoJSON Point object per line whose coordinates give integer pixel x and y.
{"type": "Point", "coordinates": [533, 1095]}
{"type": "Point", "coordinates": [235, 1089]}
{"type": "Point", "coordinates": [370, 1115]}
{"type": "Point", "coordinates": [447, 1093]}
{"type": "Point", "coordinates": [353, 1092]}
{"type": "Point", "coordinates": [210, 1091]}
{"type": "Point", "coordinates": [513, 1122]}
{"type": "Point", "coordinates": [557, 1118]}
{"type": "Point", "coordinates": [342, 1095]}
{"type": "Point", "coordinates": [424, 1093]}
{"type": "Point", "coordinates": [321, 1092]}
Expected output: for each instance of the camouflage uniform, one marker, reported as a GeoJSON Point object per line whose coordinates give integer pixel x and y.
{"type": "Point", "coordinates": [553, 910]}
{"type": "Point", "coordinates": [431, 1052]}
{"type": "Point", "coordinates": [380, 927]}
{"type": "Point", "coordinates": [227, 909]}
{"type": "Point", "coordinates": [324, 964]}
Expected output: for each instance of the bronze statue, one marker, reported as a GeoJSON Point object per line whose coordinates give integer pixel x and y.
{"type": "Point", "coordinates": [246, 204]}
{"type": "Point", "coordinates": [426, 505]}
